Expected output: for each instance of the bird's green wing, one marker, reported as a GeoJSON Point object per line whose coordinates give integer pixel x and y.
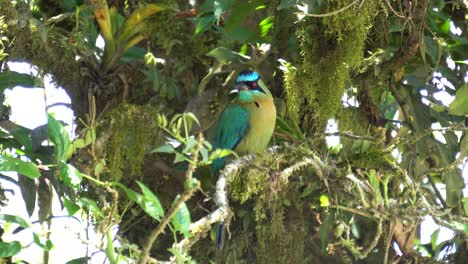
{"type": "Point", "coordinates": [231, 128]}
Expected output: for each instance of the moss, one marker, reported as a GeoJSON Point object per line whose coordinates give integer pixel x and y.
{"type": "Point", "coordinates": [275, 202]}
{"type": "Point", "coordinates": [135, 132]}
{"type": "Point", "coordinates": [331, 49]}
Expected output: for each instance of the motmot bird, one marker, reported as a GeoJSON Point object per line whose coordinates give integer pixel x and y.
{"type": "Point", "coordinates": [246, 124]}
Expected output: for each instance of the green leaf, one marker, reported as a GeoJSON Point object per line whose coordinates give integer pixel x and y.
{"type": "Point", "coordinates": [9, 249]}
{"type": "Point", "coordinates": [460, 106]}
{"type": "Point", "coordinates": [191, 143]}
{"type": "Point", "coordinates": [181, 220]}
{"type": "Point", "coordinates": [25, 168]}
{"type": "Point", "coordinates": [59, 136]}
{"type": "Point", "coordinates": [15, 219]}
{"type": "Point", "coordinates": [11, 79]}
{"type": "Point", "coordinates": [69, 5]}
{"type": "Point", "coordinates": [454, 187]}
{"type": "Point", "coordinates": [325, 229]}
{"type": "Point", "coordinates": [150, 203]}
{"type": "Point", "coordinates": [179, 158]}
{"type": "Point", "coordinates": [47, 246]}
{"type": "Point", "coordinates": [324, 200]}
{"type": "Point", "coordinates": [28, 191]}
{"type": "Point", "coordinates": [164, 149]}
{"type": "Point", "coordinates": [221, 153]}
{"type": "Point", "coordinates": [70, 175]}
{"type": "Point", "coordinates": [131, 194]}
{"type": "Point", "coordinates": [226, 56]}
{"type": "Point", "coordinates": [92, 206]}
{"type": "Point", "coordinates": [71, 207]}
{"type": "Point", "coordinates": [203, 24]}
{"type": "Point", "coordinates": [23, 136]}
{"type": "Point", "coordinates": [265, 26]}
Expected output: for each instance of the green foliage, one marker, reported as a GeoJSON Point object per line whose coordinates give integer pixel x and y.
{"type": "Point", "coordinates": [11, 79]}
{"type": "Point", "coordinates": [25, 168]}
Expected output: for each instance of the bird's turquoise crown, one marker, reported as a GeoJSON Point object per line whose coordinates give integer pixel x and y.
{"type": "Point", "coordinates": [247, 76]}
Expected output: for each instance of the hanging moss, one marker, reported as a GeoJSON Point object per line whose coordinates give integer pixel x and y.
{"type": "Point", "coordinates": [331, 48]}
{"type": "Point", "coordinates": [135, 132]}
{"type": "Point", "coordinates": [278, 238]}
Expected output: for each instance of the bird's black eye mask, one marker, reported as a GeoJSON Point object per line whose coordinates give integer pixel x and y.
{"type": "Point", "coordinates": [254, 86]}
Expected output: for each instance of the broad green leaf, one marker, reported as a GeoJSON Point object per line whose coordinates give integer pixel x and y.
{"type": "Point", "coordinates": [23, 136]}
{"type": "Point", "coordinates": [59, 136]}
{"type": "Point", "coordinates": [203, 24]}
{"type": "Point", "coordinates": [15, 219]}
{"type": "Point", "coordinates": [226, 56]}
{"type": "Point", "coordinates": [460, 105]}
{"type": "Point", "coordinates": [11, 79]}
{"type": "Point", "coordinates": [71, 207]}
{"type": "Point", "coordinates": [179, 158]}
{"type": "Point", "coordinates": [221, 153]}
{"type": "Point", "coordinates": [131, 194]}
{"type": "Point", "coordinates": [25, 168]}
{"type": "Point", "coordinates": [70, 175]}
{"type": "Point", "coordinates": [92, 206]}
{"type": "Point", "coordinates": [191, 143]}
{"type": "Point", "coordinates": [181, 220]}
{"type": "Point", "coordinates": [9, 249]}
{"type": "Point", "coordinates": [28, 191]}
{"type": "Point", "coordinates": [150, 203]}
{"type": "Point", "coordinates": [164, 149]}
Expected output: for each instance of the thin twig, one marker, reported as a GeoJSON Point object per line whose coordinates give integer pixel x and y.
{"type": "Point", "coordinates": [330, 13]}
{"type": "Point", "coordinates": [350, 135]}
{"type": "Point", "coordinates": [188, 192]}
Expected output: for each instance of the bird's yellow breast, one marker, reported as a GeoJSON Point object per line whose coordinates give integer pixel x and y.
{"type": "Point", "coordinates": [262, 119]}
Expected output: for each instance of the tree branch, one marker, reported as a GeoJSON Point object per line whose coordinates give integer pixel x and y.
{"type": "Point", "coordinates": [189, 190]}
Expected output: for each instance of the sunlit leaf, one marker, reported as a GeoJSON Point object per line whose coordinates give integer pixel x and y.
{"type": "Point", "coordinates": [92, 206]}
{"type": "Point", "coordinates": [203, 24]}
{"type": "Point", "coordinates": [25, 168]}
{"type": "Point", "coordinates": [164, 149]}
{"type": "Point", "coordinates": [324, 200]}
{"type": "Point", "coordinates": [181, 220]}
{"type": "Point", "coordinates": [71, 207]}
{"type": "Point", "coordinates": [70, 175]}
{"type": "Point", "coordinates": [59, 136]}
{"type": "Point", "coordinates": [9, 249]}
{"type": "Point", "coordinates": [150, 203]}
{"type": "Point", "coordinates": [460, 106]}
{"type": "Point", "coordinates": [225, 55]}
{"type": "Point", "coordinates": [15, 219]}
